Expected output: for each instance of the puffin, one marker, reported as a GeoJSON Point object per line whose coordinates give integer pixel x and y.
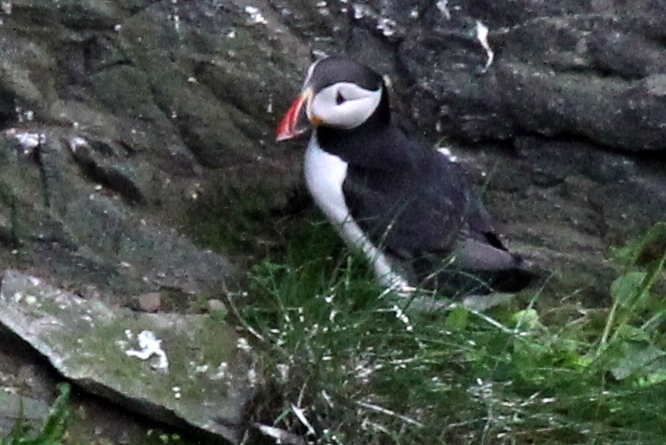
{"type": "Point", "coordinates": [408, 208]}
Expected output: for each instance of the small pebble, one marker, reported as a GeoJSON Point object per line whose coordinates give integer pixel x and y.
{"type": "Point", "coordinates": [216, 305]}
{"type": "Point", "coordinates": [150, 302]}
{"type": "Point", "coordinates": [90, 292]}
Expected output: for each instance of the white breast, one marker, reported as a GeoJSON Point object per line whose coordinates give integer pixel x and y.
{"type": "Point", "coordinates": [324, 176]}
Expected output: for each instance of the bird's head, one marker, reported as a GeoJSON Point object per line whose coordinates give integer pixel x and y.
{"type": "Point", "coordinates": [338, 93]}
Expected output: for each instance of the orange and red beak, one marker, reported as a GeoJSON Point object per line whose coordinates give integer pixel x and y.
{"type": "Point", "coordinates": [295, 121]}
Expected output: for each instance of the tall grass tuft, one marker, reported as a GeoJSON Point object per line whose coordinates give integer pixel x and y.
{"type": "Point", "coordinates": [347, 363]}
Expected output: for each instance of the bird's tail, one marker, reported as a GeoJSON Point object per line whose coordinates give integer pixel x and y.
{"type": "Point", "coordinates": [474, 269]}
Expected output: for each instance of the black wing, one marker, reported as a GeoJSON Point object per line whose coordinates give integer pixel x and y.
{"type": "Point", "coordinates": [422, 205]}
{"type": "Point", "coordinates": [418, 206]}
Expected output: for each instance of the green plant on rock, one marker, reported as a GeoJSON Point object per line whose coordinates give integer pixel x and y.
{"type": "Point", "coordinates": [632, 346]}
{"type": "Point", "coordinates": [54, 427]}
{"type": "Point", "coordinates": [164, 437]}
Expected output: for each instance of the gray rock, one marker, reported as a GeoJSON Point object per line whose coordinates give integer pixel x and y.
{"type": "Point", "coordinates": [15, 408]}
{"type": "Point", "coordinates": [150, 302]}
{"type": "Point", "coordinates": [158, 89]}
{"type": "Point", "coordinates": [215, 305]}
{"type": "Point", "coordinates": [65, 226]}
{"type": "Point", "coordinates": [581, 74]}
{"type": "Point", "coordinates": [182, 370]}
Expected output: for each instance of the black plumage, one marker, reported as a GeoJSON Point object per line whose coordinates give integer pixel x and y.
{"type": "Point", "coordinates": [413, 202]}
{"type": "Point", "coordinates": [417, 205]}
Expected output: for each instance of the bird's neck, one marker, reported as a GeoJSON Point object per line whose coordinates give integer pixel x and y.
{"type": "Point", "coordinates": [362, 147]}
{"type": "Point", "coordinates": [376, 144]}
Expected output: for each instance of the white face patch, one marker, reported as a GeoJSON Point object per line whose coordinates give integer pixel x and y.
{"type": "Point", "coordinates": [343, 105]}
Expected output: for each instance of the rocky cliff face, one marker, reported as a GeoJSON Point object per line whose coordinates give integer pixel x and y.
{"type": "Point", "coordinates": [130, 123]}
{"type": "Point", "coordinates": [126, 119]}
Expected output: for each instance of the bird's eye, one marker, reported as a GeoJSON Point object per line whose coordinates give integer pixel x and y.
{"type": "Point", "coordinates": [339, 99]}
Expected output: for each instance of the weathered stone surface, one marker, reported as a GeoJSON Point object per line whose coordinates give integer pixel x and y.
{"type": "Point", "coordinates": [13, 407]}
{"type": "Point", "coordinates": [159, 89]}
{"type": "Point", "coordinates": [71, 227]}
{"type": "Point", "coordinates": [150, 302]}
{"type": "Point", "coordinates": [584, 74]}
{"type": "Point", "coordinates": [191, 369]}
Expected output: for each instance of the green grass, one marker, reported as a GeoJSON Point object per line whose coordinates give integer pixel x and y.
{"type": "Point", "coordinates": [53, 429]}
{"type": "Point", "coordinates": [347, 363]}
